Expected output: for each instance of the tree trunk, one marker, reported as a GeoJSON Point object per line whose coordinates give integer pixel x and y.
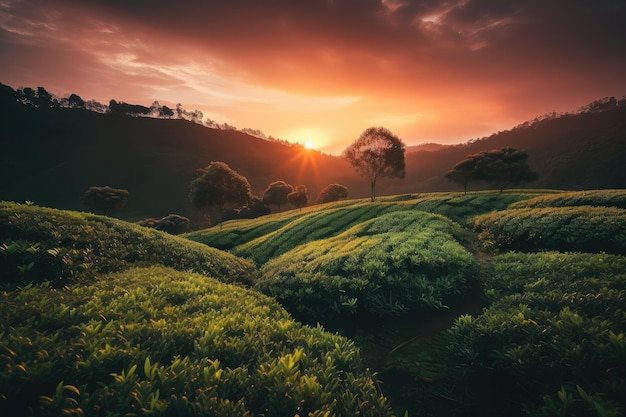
{"type": "Point", "coordinates": [373, 189]}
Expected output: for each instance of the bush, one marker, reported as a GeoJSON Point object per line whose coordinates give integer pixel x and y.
{"type": "Point", "coordinates": [584, 228]}
{"type": "Point", "coordinates": [602, 198]}
{"type": "Point", "coordinates": [386, 267]}
{"type": "Point", "coordinates": [105, 199]}
{"type": "Point", "coordinates": [172, 224]}
{"type": "Point", "coordinates": [553, 339]}
{"type": "Point", "coordinates": [38, 244]}
{"type": "Point", "coordinates": [154, 341]}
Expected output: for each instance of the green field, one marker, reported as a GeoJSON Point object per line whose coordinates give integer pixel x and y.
{"type": "Point", "coordinates": [442, 304]}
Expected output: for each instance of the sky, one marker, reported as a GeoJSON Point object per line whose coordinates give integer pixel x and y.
{"type": "Point", "coordinates": [323, 71]}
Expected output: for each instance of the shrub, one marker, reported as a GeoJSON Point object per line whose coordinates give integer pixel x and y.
{"type": "Point", "coordinates": [38, 243]}
{"type": "Point", "coordinates": [584, 228]}
{"type": "Point", "coordinates": [105, 199]}
{"type": "Point", "coordinates": [554, 333]}
{"type": "Point", "coordinates": [154, 341]}
{"type": "Point", "coordinates": [172, 224]}
{"type": "Point", "coordinates": [603, 198]}
{"type": "Point", "coordinates": [386, 267]}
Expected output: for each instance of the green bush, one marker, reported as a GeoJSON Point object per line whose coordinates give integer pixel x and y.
{"type": "Point", "coordinates": [42, 244]}
{"type": "Point", "coordinates": [396, 263]}
{"type": "Point", "coordinates": [584, 229]}
{"type": "Point", "coordinates": [155, 341]}
{"type": "Point", "coordinates": [602, 198]}
{"type": "Point", "coordinates": [271, 236]}
{"type": "Point", "coordinates": [553, 339]}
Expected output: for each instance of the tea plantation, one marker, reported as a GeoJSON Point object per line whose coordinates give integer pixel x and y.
{"type": "Point", "coordinates": [443, 304]}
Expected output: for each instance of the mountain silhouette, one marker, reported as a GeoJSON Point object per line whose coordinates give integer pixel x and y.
{"type": "Point", "coordinates": [52, 154]}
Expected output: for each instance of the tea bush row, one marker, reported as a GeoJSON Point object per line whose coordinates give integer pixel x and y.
{"type": "Point", "coordinates": [598, 198]}
{"type": "Point", "coordinates": [155, 341]}
{"type": "Point", "coordinates": [38, 244]}
{"type": "Point", "coordinates": [553, 338]}
{"type": "Point", "coordinates": [385, 267]}
{"type": "Point", "coordinates": [271, 236]}
{"type": "Point", "coordinates": [584, 229]}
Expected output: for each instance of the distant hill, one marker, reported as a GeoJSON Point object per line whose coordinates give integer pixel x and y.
{"type": "Point", "coordinates": [428, 147]}
{"type": "Point", "coordinates": [51, 155]}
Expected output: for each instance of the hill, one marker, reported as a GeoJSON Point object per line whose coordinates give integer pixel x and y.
{"type": "Point", "coordinates": [52, 155]}
{"type": "Point", "coordinates": [476, 304]}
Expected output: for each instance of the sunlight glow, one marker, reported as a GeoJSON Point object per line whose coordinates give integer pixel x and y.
{"type": "Point", "coordinates": [309, 145]}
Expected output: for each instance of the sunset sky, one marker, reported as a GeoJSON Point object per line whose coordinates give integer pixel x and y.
{"type": "Point", "coordinates": [325, 70]}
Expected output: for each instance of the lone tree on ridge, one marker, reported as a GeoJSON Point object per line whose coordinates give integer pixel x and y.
{"type": "Point", "coordinates": [218, 187]}
{"type": "Point", "coordinates": [377, 153]}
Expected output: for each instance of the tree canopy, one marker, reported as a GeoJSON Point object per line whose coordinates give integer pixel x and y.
{"type": "Point", "coordinates": [332, 192]}
{"type": "Point", "coordinates": [501, 168]}
{"type": "Point", "coordinates": [105, 199]}
{"type": "Point", "coordinates": [219, 186]}
{"type": "Point", "coordinates": [299, 197]}
{"type": "Point", "coordinates": [276, 193]}
{"type": "Point", "coordinates": [377, 153]}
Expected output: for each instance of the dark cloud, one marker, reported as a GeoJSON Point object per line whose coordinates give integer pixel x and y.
{"type": "Point", "coordinates": [514, 59]}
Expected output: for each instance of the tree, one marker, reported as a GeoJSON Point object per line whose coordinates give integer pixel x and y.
{"type": "Point", "coordinates": [501, 168]}
{"type": "Point", "coordinates": [332, 192]}
{"type": "Point", "coordinates": [276, 193]}
{"type": "Point", "coordinates": [75, 101]}
{"type": "Point", "coordinates": [464, 172]}
{"type": "Point", "coordinates": [299, 197]}
{"type": "Point", "coordinates": [217, 187]}
{"type": "Point", "coordinates": [377, 153]}
{"type": "Point", "coordinates": [105, 199]}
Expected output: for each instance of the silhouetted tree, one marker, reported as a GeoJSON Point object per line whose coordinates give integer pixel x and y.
{"type": "Point", "coordinates": [43, 98]}
{"type": "Point", "coordinates": [105, 199]}
{"type": "Point", "coordinates": [501, 168]}
{"type": "Point", "coordinates": [172, 224]}
{"type": "Point", "coordinates": [332, 192]}
{"type": "Point", "coordinates": [276, 193]}
{"type": "Point", "coordinates": [377, 153]}
{"type": "Point", "coordinates": [217, 187]}
{"type": "Point", "coordinates": [76, 101]}
{"type": "Point", "coordinates": [299, 197]}
{"type": "Point", "coordinates": [464, 172]}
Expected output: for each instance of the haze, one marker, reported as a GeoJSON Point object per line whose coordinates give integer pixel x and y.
{"type": "Point", "coordinates": [320, 72]}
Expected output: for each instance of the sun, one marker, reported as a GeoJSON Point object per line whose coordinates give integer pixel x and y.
{"type": "Point", "coordinates": [309, 145]}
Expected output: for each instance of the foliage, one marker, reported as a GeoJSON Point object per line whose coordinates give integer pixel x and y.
{"type": "Point", "coordinates": [602, 198]}
{"type": "Point", "coordinates": [332, 192]}
{"type": "Point", "coordinates": [582, 228]}
{"type": "Point", "coordinates": [390, 265]}
{"type": "Point", "coordinates": [502, 168]}
{"type": "Point", "coordinates": [553, 338]}
{"type": "Point", "coordinates": [299, 197]}
{"type": "Point", "coordinates": [251, 210]}
{"type": "Point", "coordinates": [276, 193]}
{"type": "Point", "coordinates": [105, 199]}
{"type": "Point", "coordinates": [38, 243]}
{"type": "Point", "coordinates": [172, 224]}
{"type": "Point", "coordinates": [218, 186]}
{"type": "Point", "coordinates": [313, 225]}
{"type": "Point", "coordinates": [377, 153]}
{"type": "Point", "coordinates": [274, 235]}
{"type": "Point", "coordinates": [154, 341]}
